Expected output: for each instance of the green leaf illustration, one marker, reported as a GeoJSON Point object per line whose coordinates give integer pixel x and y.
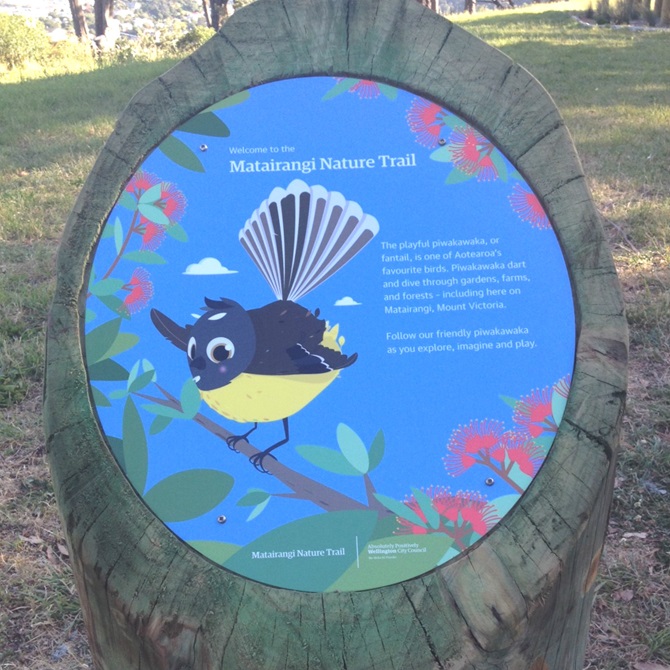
{"type": "Point", "coordinates": [504, 504]}
{"type": "Point", "coordinates": [558, 403]}
{"type": "Point", "coordinates": [107, 371]}
{"type": "Point", "coordinates": [256, 498]}
{"type": "Point", "coordinates": [442, 155]}
{"type": "Point", "coordinates": [190, 398]}
{"type": "Point", "coordinates": [135, 454]}
{"type": "Point", "coordinates": [100, 340]}
{"type": "Point", "coordinates": [123, 342]}
{"type": "Point", "coordinates": [99, 398]}
{"type": "Point", "coordinates": [520, 478]}
{"type": "Point", "coordinates": [176, 232]}
{"type": "Point", "coordinates": [426, 505]}
{"type": "Point", "coordinates": [152, 195]}
{"type": "Point", "coordinates": [544, 442]}
{"type": "Point", "coordinates": [454, 122]}
{"type": "Point", "coordinates": [118, 394]}
{"type": "Point", "coordinates": [106, 287]}
{"type": "Point", "coordinates": [141, 381]}
{"type": "Point", "coordinates": [206, 123]}
{"type": "Point", "coordinates": [353, 448]}
{"type": "Point", "coordinates": [509, 401]}
{"type": "Point", "coordinates": [114, 303]}
{"type": "Point", "coordinates": [90, 315]}
{"type": "Point", "coordinates": [118, 234]}
{"type": "Point", "coordinates": [128, 201]}
{"type": "Point", "coordinates": [253, 497]}
{"type": "Point", "coordinates": [388, 91]}
{"type": "Point", "coordinates": [256, 511]}
{"type": "Point", "coordinates": [146, 257]}
{"type": "Point", "coordinates": [159, 424]}
{"type": "Point", "coordinates": [180, 154]}
{"type": "Point", "coordinates": [116, 447]}
{"type": "Point", "coordinates": [401, 510]}
{"type": "Point", "coordinates": [341, 87]}
{"type": "Point", "coordinates": [229, 102]}
{"type": "Point", "coordinates": [377, 450]}
{"type": "Point", "coordinates": [154, 214]}
{"type": "Point", "coordinates": [163, 410]}
{"type": "Point", "coordinates": [327, 459]}
{"type": "Point", "coordinates": [499, 164]}
{"type": "Point", "coordinates": [219, 552]}
{"type": "Point", "coordinates": [457, 176]}
{"type": "Point", "coordinates": [188, 494]}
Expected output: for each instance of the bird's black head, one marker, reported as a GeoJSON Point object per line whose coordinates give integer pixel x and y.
{"type": "Point", "coordinates": [219, 345]}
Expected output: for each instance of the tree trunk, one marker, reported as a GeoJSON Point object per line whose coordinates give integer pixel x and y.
{"type": "Point", "coordinates": [431, 4]}
{"type": "Point", "coordinates": [205, 9]}
{"type": "Point", "coordinates": [519, 599]}
{"type": "Point", "coordinates": [106, 27]}
{"type": "Point", "coordinates": [79, 21]}
{"type": "Point", "coordinates": [664, 14]}
{"type": "Point", "coordinates": [220, 10]}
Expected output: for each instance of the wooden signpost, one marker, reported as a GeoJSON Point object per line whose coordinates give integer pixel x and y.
{"type": "Point", "coordinates": [337, 358]}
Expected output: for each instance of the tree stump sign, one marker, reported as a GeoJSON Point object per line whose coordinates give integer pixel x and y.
{"type": "Point", "coordinates": [336, 362]}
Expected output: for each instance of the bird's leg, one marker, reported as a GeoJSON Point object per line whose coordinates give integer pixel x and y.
{"type": "Point", "coordinates": [232, 440]}
{"type": "Point", "coordinates": [257, 459]}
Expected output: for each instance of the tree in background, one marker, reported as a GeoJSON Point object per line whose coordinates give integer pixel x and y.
{"type": "Point", "coordinates": [662, 10]}
{"type": "Point", "coordinates": [79, 21]}
{"type": "Point", "coordinates": [218, 12]}
{"type": "Point", "coordinates": [107, 28]}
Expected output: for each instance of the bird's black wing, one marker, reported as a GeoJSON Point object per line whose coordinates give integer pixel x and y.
{"type": "Point", "coordinates": [289, 341]}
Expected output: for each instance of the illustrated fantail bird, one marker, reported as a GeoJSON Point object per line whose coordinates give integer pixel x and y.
{"type": "Point", "coordinates": [266, 364]}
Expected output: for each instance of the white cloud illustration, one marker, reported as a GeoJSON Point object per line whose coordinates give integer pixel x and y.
{"type": "Point", "coordinates": [347, 301]}
{"type": "Point", "coordinates": [208, 266]}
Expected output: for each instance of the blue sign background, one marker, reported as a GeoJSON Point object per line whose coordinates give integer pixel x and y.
{"type": "Point", "coordinates": [437, 189]}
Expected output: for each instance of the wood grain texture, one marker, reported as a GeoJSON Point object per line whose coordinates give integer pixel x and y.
{"type": "Point", "coordinates": [522, 597]}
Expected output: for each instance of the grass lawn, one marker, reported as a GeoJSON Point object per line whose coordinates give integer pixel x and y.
{"type": "Point", "coordinates": [613, 88]}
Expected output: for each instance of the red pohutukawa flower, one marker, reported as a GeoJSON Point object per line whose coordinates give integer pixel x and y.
{"type": "Point", "coordinates": [459, 513]}
{"type": "Point", "coordinates": [466, 442]}
{"type": "Point", "coordinates": [140, 291]}
{"type": "Point", "coordinates": [520, 449]}
{"type": "Point", "coordinates": [366, 89]}
{"type": "Point", "coordinates": [533, 413]}
{"type": "Point", "coordinates": [172, 202]}
{"type": "Point", "coordinates": [476, 511]}
{"type": "Point", "coordinates": [152, 235]}
{"type": "Point", "coordinates": [426, 120]}
{"type": "Point", "coordinates": [142, 181]}
{"type": "Point", "coordinates": [527, 205]}
{"type": "Point", "coordinates": [471, 153]}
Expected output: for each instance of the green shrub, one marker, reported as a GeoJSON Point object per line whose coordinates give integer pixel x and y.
{"type": "Point", "coordinates": [194, 38]}
{"type": "Point", "coordinates": [22, 41]}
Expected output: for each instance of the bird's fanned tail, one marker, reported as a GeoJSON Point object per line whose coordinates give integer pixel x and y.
{"type": "Point", "coordinates": [302, 235]}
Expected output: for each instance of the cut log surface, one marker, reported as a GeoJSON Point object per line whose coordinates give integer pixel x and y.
{"type": "Point", "coordinates": [521, 598]}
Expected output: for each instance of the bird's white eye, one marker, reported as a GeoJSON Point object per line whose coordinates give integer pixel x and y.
{"type": "Point", "coordinates": [190, 348]}
{"type": "Point", "coordinates": [220, 349]}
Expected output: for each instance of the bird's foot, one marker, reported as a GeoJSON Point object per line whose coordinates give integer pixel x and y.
{"type": "Point", "coordinates": [257, 460]}
{"type": "Point", "coordinates": [232, 440]}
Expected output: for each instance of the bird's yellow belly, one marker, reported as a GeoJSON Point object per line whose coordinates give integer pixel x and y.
{"type": "Point", "coordinates": [261, 398]}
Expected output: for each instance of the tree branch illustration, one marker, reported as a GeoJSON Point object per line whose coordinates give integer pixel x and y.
{"type": "Point", "coordinates": [303, 487]}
